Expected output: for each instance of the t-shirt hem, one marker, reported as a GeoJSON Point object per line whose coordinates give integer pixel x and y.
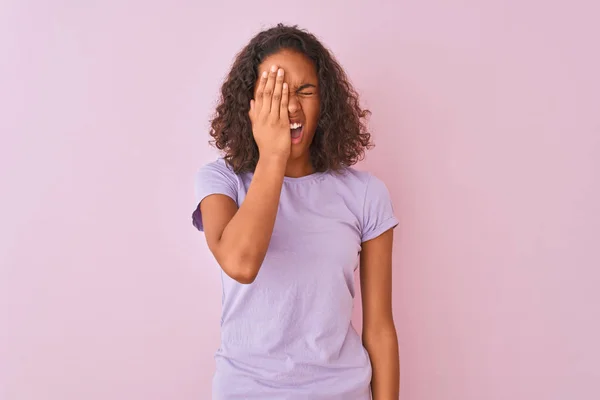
{"type": "Point", "coordinates": [389, 223]}
{"type": "Point", "coordinates": [197, 214]}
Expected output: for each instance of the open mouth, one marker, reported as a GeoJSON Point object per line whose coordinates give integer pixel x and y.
{"type": "Point", "coordinates": [296, 130]}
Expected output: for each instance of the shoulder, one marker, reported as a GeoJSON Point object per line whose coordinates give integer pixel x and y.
{"type": "Point", "coordinates": [217, 170]}
{"type": "Point", "coordinates": [215, 177]}
{"type": "Point", "coordinates": [216, 166]}
{"type": "Point", "coordinates": [377, 210]}
{"type": "Point", "coordinates": [363, 182]}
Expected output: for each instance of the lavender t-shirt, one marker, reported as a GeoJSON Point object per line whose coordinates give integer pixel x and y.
{"type": "Point", "coordinates": [288, 335]}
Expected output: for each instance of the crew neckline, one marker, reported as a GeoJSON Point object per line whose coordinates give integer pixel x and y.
{"type": "Point", "coordinates": [308, 177]}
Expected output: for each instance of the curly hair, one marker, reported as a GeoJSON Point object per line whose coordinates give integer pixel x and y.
{"type": "Point", "coordinates": [341, 136]}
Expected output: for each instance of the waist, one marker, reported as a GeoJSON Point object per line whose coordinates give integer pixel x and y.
{"type": "Point", "coordinates": [270, 377]}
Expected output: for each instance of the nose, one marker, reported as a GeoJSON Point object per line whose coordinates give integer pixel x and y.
{"type": "Point", "coordinates": [293, 105]}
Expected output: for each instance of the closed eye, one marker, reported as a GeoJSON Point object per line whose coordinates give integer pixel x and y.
{"type": "Point", "coordinates": [302, 90]}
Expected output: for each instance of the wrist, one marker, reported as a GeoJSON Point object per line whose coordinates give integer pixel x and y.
{"type": "Point", "coordinates": [273, 160]}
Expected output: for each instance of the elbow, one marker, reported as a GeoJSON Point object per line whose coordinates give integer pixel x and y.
{"type": "Point", "coordinates": [382, 336]}
{"type": "Point", "coordinates": [242, 276]}
{"type": "Point", "coordinates": [243, 269]}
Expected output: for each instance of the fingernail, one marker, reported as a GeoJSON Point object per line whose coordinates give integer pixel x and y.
{"type": "Point", "coordinates": [280, 72]}
{"type": "Point", "coordinates": [264, 74]}
{"type": "Point", "coordinates": [284, 85]}
{"type": "Point", "coordinates": [273, 68]}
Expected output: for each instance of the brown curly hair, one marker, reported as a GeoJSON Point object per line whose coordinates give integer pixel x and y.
{"type": "Point", "coordinates": [341, 136]}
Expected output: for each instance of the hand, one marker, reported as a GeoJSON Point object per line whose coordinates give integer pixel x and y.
{"type": "Point", "coordinates": [269, 115]}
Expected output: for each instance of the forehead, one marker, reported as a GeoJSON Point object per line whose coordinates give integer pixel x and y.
{"type": "Point", "coordinates": [297, 66]}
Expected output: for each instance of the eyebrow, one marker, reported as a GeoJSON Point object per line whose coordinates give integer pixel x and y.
{"type": "Point", "coordinates": [305, 86]}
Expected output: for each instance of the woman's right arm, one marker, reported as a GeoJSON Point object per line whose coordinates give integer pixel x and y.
{"type": "Point", "coordinates": [239, 238]}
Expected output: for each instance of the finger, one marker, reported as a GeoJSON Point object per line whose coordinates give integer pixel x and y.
{"type": "Point", "coordinates": [276, 100]}
{"type": "Point", "coordinates": [268, 92]}
{"type": "Point", "coordinates": [283, 109]}
{"type": "Point", "coordinates": [260, 90]}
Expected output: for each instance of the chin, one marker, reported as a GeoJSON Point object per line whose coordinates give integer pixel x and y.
{"type": "Point", "coordinates": [298, 151]}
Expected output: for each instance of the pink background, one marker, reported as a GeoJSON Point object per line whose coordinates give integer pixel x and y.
{"type": "Point", "coordinates": [486, 116]}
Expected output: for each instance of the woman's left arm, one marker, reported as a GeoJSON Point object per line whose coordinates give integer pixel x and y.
{"type": "Point", "coordinates": [379, 333]}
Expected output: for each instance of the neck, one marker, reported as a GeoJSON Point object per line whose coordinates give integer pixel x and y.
{"type": "Point", "coordinates": [299, 167]}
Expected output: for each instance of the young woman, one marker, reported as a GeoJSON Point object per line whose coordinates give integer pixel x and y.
{"type": "Point", "coordinates": [288, 219]}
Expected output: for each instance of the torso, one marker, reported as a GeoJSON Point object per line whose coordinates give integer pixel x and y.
{"type": "Point", "coordinates": [288, 335]}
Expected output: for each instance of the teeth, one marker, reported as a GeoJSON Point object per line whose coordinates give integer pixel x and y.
{"type": "Point", "coordinates": [295, 125]}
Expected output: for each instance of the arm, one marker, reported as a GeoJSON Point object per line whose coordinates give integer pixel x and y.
{"type": "Point", "coordinates": [239, 238]}
{"type": "Point", "coordinates": [379, 333]}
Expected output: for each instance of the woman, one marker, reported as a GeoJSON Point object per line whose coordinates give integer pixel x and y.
{"type": "Point", "coordinates": [288, 219]}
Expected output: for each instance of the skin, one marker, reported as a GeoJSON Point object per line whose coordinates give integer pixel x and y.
{"type": "Point", "coordinates": [379, 331]}
{"type": "Point", "coordinates": [239, 237]}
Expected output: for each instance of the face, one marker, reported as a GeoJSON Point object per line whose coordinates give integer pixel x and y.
{"type": "Point", "coordinates": [304, 103]}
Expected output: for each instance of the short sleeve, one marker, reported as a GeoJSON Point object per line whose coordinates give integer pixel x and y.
{"type": "Point", "coordinates": [378, 211]}
{"type": "Point", "coordinates": [213, 178]}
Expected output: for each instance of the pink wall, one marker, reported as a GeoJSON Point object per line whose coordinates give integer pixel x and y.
{"type": "Point", "coordinates": [486, 116]}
